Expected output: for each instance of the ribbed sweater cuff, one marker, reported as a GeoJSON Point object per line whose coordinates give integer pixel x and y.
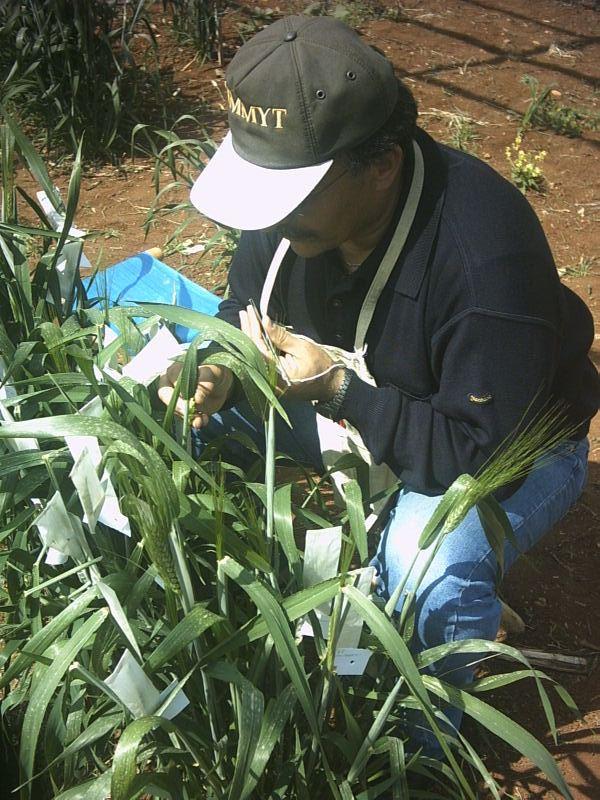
{"type": "Point", "coordinates": [360, 395]}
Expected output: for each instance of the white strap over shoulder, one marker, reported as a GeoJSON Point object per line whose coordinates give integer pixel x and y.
{"type": "Point", "coordinates": [392, 254]}
{"type": "Point", "coordinates": [278, 257]}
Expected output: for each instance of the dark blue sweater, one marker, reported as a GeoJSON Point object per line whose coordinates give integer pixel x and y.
{"type": "Point", "coordinates": [472, 331]}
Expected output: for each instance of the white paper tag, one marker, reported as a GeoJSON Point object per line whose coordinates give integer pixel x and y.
{"type": "Point", "coordinates": [90, 490]}
{"type": "Point", "coordinates": [8, 391]}
{"type": "Point", "coordinates": [19, 443]}
{"type": "Point", "coordinates": [110, 513]}
{"type": "Point", "coordinates": [77, 444]}
{"type": "Point", "coordinates": [60, 531]}
{"type": "Point", "coordinates": [132, 686]}
{"type": "Point", "coordinates": [322, 550]}
{"type": "Point", "coordinates": [74, 257]}
{"type": "Point", "coordinates": [154, 358]}
{"type": "Point", "coordinates": [176, 704]}
{"type": "Point", "coordinates": [56, 219]}
{"type": "Point", "coordinates": [136, 691]}
{"type": "Point", "coordinates": [349, 635]}
{"type": "Point", "coordinates": [351, 661]}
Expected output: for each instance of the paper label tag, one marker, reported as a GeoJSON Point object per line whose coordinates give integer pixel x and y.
{"type": "Point", "coordinates": [90, 491]}
{"type": "Point", "coordinates": [110, 513]}
{"type": "Point", "coordinates": [136, 691]}
{"type": "Point", "coordinates": [8, 391]}
{"type": "Point", "coordinates": [351, 661]}
{"type": "Point", "coordinates": [154, 358]}
{"type": "Point", "coordinates": [321, 557]}
{"type": "Point", "coordinates": [349, 635]}
{"type": "Point", "coordinates": [60, 532]}
{"type": "Point", "coordinates": [77, 444]}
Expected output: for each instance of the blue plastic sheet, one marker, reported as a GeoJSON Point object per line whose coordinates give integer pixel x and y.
{"type": "Point", "coordinates": [145, 279]}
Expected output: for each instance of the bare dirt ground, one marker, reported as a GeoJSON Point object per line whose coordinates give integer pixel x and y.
{"type": "Point", "coordinates": [463, 57]}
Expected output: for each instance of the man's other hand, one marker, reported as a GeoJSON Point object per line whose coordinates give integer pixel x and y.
{"type": "Point", "coordinates": [212, 391]}
{"type": "Point", "coordinates": [309, 372]}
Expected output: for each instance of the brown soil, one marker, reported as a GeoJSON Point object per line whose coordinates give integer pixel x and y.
{"type": "Point", "coordinates": [468, 57]}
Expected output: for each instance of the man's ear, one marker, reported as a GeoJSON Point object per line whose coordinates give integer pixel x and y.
{"type": "Point", "coordinates": [387, 168]}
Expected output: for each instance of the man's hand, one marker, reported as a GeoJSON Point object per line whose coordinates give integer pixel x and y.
{"type": "Point", "coordinates": [214, 386]}
{"type": "Point", "coordinates": [310, 370]}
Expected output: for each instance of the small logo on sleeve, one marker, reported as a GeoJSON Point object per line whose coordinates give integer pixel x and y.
{"type": "Point", "coordinates": [480, 399]}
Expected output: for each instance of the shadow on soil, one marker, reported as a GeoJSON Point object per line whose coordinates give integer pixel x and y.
{"type": "Point", "coordinates": [498, 55]}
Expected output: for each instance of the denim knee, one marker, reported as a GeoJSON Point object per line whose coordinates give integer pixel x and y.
{"type": "Point", "coordinates": [459, 602]}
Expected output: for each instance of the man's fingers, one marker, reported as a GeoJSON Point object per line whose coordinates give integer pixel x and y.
{"type": "Point", "coordinates": [203, 391]}
{"type": "Point", "coordinates": [281, 338]}
{"type": "Point", "coordinates": [200, 420]}
{"type": "Point", "coordinates": [250, 325]}
{"type": "Point", "coordinates": [244, 322]}
{"type": "Point", "coordinates": [165, 393]}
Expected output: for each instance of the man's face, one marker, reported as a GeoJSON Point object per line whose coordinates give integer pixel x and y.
{"type": "Point", "coordinates": [330, 215]}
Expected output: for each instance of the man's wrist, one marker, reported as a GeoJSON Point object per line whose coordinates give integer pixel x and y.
{"type": "Point", "coordinates": [335, 383]}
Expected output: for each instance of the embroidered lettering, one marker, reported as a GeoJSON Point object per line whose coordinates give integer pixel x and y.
{"type": "Point", "coordinates": [264, 113]}
{"type": "Point", "coordinates": [278, 114]}
{"type": "Point", "coordinates": [256, 115]}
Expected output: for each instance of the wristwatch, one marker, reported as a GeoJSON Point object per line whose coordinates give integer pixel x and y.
{"type": "Point", "coordinates": [330, 408]}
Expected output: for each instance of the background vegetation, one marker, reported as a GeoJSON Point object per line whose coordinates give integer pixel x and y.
{"type": "Point", "coordinates": [71, 70]}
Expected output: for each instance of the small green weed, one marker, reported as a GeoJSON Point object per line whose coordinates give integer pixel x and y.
{"type": "Point", "coordinates": [584, 267]}
{"type": "Point", "coordinates": [354, 12]}
{"type": "Point", "coordinates": [462, 133]}
{"type": "Point", "coordinates": [546, 113]}
{"type": "Point", "coordinates": [525, 170]}
{"type": "Point", "coordinates": [461, 127]}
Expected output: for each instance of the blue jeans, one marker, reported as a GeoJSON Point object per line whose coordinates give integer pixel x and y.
{"type": "Point", "coordinates": [457, 597]}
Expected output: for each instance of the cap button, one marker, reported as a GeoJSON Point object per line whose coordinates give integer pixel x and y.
{"type": "Point", "coordinates": [290, 36]}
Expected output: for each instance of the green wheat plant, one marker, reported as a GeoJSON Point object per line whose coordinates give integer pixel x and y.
{"type": "Point", "coordinates": [198, 22]}
{"type": "Point", "coordinates": [163, 657]}
{"type": "Point", "coordinates": [178, 160]}
{"type": "Point", "coordinates": [67, 68]}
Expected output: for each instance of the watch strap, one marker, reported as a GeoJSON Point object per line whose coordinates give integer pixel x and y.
{"type": "Point", "coordinates": [330, 408]}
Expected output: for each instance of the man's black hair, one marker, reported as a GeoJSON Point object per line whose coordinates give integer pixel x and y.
{"type": "Point", "coordinates": [399, 129]}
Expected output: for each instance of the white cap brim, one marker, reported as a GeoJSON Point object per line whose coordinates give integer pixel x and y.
{"type": "Point", "coordinates": [238, 194]}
